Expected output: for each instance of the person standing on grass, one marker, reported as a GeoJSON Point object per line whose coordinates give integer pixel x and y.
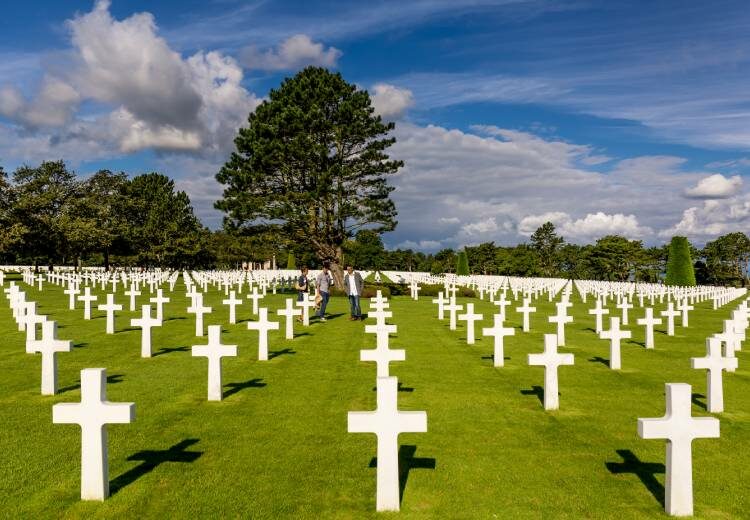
{"type": "Point", "coordinates": [323, 285]}
{"type": "Point", "coordinates": [303, 286]}
{"type": "Point", "coordinates": [353, 285]}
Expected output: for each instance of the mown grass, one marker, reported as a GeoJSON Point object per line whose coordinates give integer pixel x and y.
{"type": "Point", "coordinates": [277, 445]}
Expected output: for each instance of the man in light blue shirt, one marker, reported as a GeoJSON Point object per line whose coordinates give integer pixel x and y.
{"type": "Point", "coordinates": [323, 283]}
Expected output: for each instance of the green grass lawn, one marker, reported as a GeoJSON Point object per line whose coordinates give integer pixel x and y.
{"type": "Point", "coordinates": [277, 445]}
{"type": "Point", "coordinates": [383, 278]}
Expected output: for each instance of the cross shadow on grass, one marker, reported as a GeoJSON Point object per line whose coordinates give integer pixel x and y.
{"type": "Point", "coordinates": [80, 345]}
{"type": "Point", "coordinates": [401, 388]}
{"type": "Point", "coordinates": [276, 353]}
{"type": "Point", "coordinates": [237, 387]}
{"type": "Point", "coordinates": [111, 379]}
{"type": "Point", "coordinates": [535, 390]}
{"type": "Point", "coordinates": [300, 334]}
{"type": "Point", "coordinates": [407, 462]}
{"type": "Point", "coordinates": [151, 459]}
{"type": "Point", "coordinates": [127, 329]}
{"type": "Point", "coordinates": [599, 359]}
{"type": "Point", "coordinates": [696, 398]}
{"type": "Point", "coordinates": [645, 471]}
{"type": "Point", "coordinates": [172, 318]}
{"type": "Point", "coordinates": [169, 350]}
{"type": "Point", "coordinates": [639, 343]}
{"type": "Point", "coordinates": [492, 357]}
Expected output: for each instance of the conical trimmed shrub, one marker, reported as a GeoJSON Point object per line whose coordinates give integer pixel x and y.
{"type": "Point", "coordinates": [462, 264]}
{"type": "Point", "coordinates": [679, 264]}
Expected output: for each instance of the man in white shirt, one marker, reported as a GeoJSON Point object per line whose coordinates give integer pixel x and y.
{"type": "Point", "coordinates": [353, 285]}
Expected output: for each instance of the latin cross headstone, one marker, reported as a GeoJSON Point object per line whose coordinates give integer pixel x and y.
{"type": "Point", "coordinates": [624, 305]}
{"type": "Point", "coordinates": [199, 310]}
{"type": "Point", "coordinates": [387, 422]}
{"type": "Point", "coordinates": [263, 326]}
{"type": "Point", "coordinates": [131, 294]}
{"type": "Point", "coordinates": [550, 359]}
{"type": "Point", "coordinates": [255, 297]}
{"type": "Point", "coordinates": [614, 335]}
{"type": "Point", "coordinates": [599, 312]}
{"type": "Point", "coordinates": [714, 362]}
{"type": "Point", "coordinates": [49, 346]}
{"type": "Point", "coordinates": [110, 309]}
{"type": "Point", "coordinates": [72, 291]}
{"type": "Point", "coordinates": [670, 314]}
{"type": "Point", "coordinates": [87, 298]}
{"type": "Point", "coordinates": [679, 428]}
{"type": "Point", "coordinates": [685, 307]}
{"type": "Point", "coordinates": [561, 318]}
{"type": "Point", "coordinates": [470, 317]}
{"type": "Point", "coordinates": [307, 304]}
{"type": "Point", "coordinates": [214, 351]}
{"type": "Point", "coordinates": [499, 332]}
{"type": "Point", "coordinates": [452, 309]}
{"type": "Point", "coordinates": [649, 321]}
{"type": "Point", "coordinates": [289, 312]}
{"type": "Point", "coordinates": [160, 300]}
{"type": "Point", "coordinates": [232, 302]}
{"type": "Point", "coordinates": [441, 301]}
{"type": "Point", "coordinates": [93, 414]}
{"type": "Point", "coordinates": [526, 309]}
{"type": "Point", "coordinates": [146, 323]}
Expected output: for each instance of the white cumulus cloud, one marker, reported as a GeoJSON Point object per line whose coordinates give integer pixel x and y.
{"type": "Point", "coordinates": [294, 53]}
{"type": "Point", "coordinates": [715, 187]}
{"type": "Point", "coordinates": [390, 101]}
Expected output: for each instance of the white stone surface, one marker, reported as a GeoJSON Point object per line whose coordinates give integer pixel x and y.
{"type": "Point", "coordinates": [498, 331]}
{"type": "Point", "coordinates": [615, 334]}
{"type": "Point", "coordinates": [289, 312]}
{"type": "Point", "coordinates": [214, 351]}
{"type": "Point", "coordinates": [714, 363]}
{"type": "Point", "coordinates": [551, 359]}
{"type": "Point", "coordinates": [679, 428]}
{"type": "Point", "coordinates": [49, 346]}
{"type": "Point", "coordinates": [470, 317]}
{"type": "Point", "coordinates": [263, 326]}
{"type": "Point", "coordinates": [146, 323]}
{"type": "Point", "coordinates": [387, 422]}
{"type": "Point", "coordinates": [93, 414]}
{"type": "Point", "coordinates": [649, 321]}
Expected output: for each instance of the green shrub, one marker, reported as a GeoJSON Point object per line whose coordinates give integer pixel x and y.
{"type": "Point", "coordinates": [679, 265]}
{"type": "Point", "coordinates": [462, 264]}
{"type": "Point", "coordinates": [291, 263]}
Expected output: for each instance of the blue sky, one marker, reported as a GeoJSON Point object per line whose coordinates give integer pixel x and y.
{"type": "Point", "coordinates": [603, 117]}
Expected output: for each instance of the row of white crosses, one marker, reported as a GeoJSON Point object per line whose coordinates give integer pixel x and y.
{"type": "Point", "coordinates": [386, 421]}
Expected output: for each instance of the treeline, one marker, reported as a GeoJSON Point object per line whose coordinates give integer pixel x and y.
{"type": "Point", "coordinates": [50, 216]}
{"type": "Point", "coordinates": [723, 261]}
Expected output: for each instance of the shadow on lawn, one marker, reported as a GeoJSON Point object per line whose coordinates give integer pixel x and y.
{"type": "Point", "coordinates": [111, 379]}
{"type": "Point", "coordinates": [535, 390]}
{"type": "Point", "coordinates": [645, 471]}
{"type": "Point", "coordinates": [401, 388]}
{"type": "Point", "coordinates": [151, 459]}
{"type": "Point", "coordinates": [696, 398]}
{"type": "Point", "coordinates": [237, 387]}
{"type": "Point", "coordinates": [276, 353]}
{"type": "Point", "coordinates": [492, 357]}
{"type": "Point", "coordinates": [168, 350]}
{"type": "Point", "coordinates": [407, 462]}
{"type": "Point", "coordinates": [599, 359]}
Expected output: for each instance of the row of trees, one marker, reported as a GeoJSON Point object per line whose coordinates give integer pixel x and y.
{"type": "Point", "coordinates": [723, 261]}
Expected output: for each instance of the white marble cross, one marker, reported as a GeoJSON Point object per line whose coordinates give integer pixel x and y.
{"type": "Point", "coordinates": [382, 355]}
{"type": "Point", "coordinates": [72, 291]}
{"type": "Point", "coordinates": [452, 309]}
{"type": "Point", "coordinates": [670, 314]}
{"type": "Point", "coordinates": [255, 297]}
{"type": "Point", "coordinates": [714, 362]}
{"type": "Point", "coordinates": [499, 332]}
{"type": "Point", "coordinates": [684, 307]}
{"type": "Point", "coordinates": [679, 428]}
{"type": "Point", "coordinates": [599, 312]}
{"type": "Point", "coordinates": [49, 346]}
{"type": "Point", "coordinates": [624, 305]}
{"type": "Point", "coordinates": [160, 300]}
{"type": "Point", "coordinates": [731, 340]}
{"type": "Point", "coordinates": [263, 326]}
{"type": "Point", "coordinates": [289, 312]}
{"type": "Point", "coordinates": [93, 414]}
{"type": "Point", "coordinates": [214, 351]}
{"type": "Point", "coordinates": [550, 359]}
{"type": "Point", "coordinates": [232, 302]}
{"type": "Point", "coordinates": [526, 309]}
{"type": "Point", "coordinates": [87, 298]}
{"type": "Point", "coordinates": [146, 323]}
{"type": "Point", "coordinates": [614, 335]}
{"type": "Point", "coordinates": [649, 321]}
{"type": "Point", "coordinates": [441, 301]}
{"type": "Point", "coordinates": [380, 316]}
{"type": "Point", "coordinates": [110, 309]}
{"type": "Point", "coordinates": [199, 310]}
{"type": "Point", "coordinates": [387, 422]}
{"type": "Point", "coordinates": [307, 303]}
{"type": "Point", "coordinates": [502, 303]}
{"type": "Point", "coordinates": [561, 318]}
{"type": "Point", "coordinates": [379, 303]}
{"type": "Point", "coordinates": [131, 294]}
{"type": "Point", "coordinates": [470, 317]}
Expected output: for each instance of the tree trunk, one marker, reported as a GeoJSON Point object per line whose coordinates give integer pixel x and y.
{"type": "Point", "coordinates": [337, 268]}
{"type": "Point", "coordinates": [106, 259]}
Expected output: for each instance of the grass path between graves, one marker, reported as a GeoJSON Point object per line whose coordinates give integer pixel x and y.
{"type": "Point", "coordinates": [277, 445]}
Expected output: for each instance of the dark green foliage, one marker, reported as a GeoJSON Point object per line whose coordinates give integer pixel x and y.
{"type": "Point", "coordinates": [546, 242]}
{"type": "Point", "coordinates": [291, 263]}
{"type": "Point", "coordinates": [312, 165]}
{"type": "Point", "coordinates": [679, 264]}
{"type": "Point", "coordinates": [727, 259]}
{"type": "Point", "coordinates": [462, 264]}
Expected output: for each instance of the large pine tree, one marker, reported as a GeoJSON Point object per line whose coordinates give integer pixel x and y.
{"type": "Point", "coordinates": [311, 165]}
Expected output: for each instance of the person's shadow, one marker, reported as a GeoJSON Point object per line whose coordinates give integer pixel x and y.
{"type": "Point", "coordinates": [645, 471]}
{"type": "Point", "coordinates": [151, 459]}
{"type": "Point", "coordinates": [407, 462]}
